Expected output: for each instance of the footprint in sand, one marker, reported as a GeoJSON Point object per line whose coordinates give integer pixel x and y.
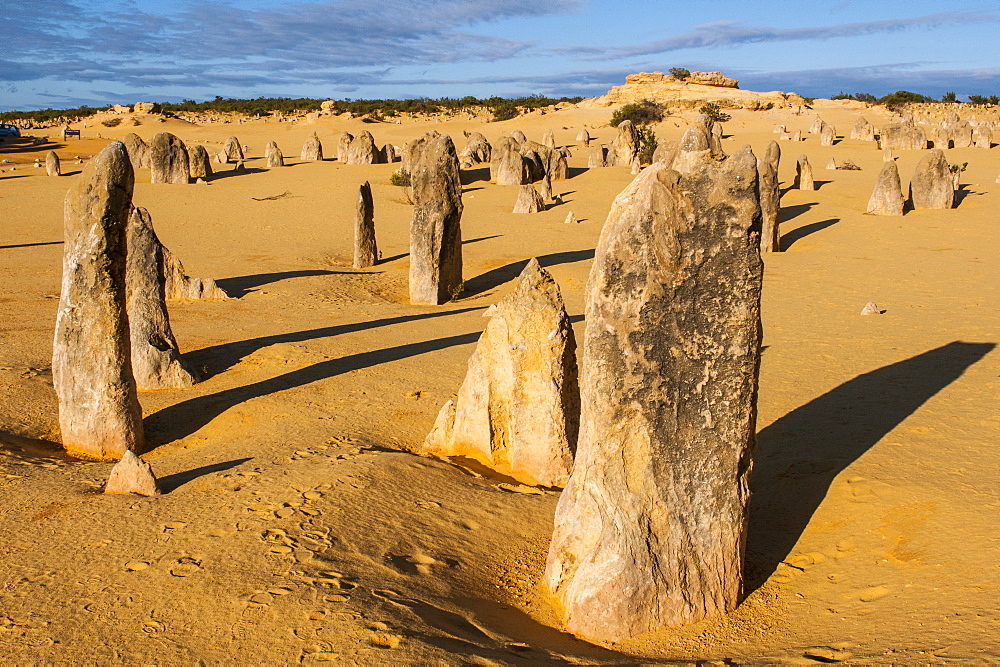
{"type": "Point", "coordinates": [873, 593]}
{"type": "Point", "coordinates": [186, 566]}
{"type": "Point", "coordinates": [383, 637]}
{"type": "Point", "coordinates": [865, 490]}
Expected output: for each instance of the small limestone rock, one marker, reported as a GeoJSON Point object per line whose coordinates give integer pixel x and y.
{"type": "Point", "coordinates": [273, 155]}
{"type": "Point", "coordinates": [312, 149]}
{"type": "Point", "coordinates": [232, 150]}
{"type": "Point", "coordinates": [178, 285]}
{"type": "Point", "coordinates": [363, 150]}
{"type": "Point", "coordinates": [168, 160]}
{"type": "Point", "coordinates": [831, 163]}
{"type": "Point", "coordinates": [132, 475]}
{"type": "Point", "coordinates": [932, 184]}
{"type": "Point", "coordinates": [887, 198]}
{"type": "Point", "coordinates": [52, 167]}
{"type": "Point", "coordinates": [817, 125]}
{"type": "Point", "coordinates": [546, 188]}
{"type": "Point", "coordinates": [583, 137]}
{"type": "Point", "coordinates": [199, 162]}
{"type": "Point", "coordinates": [887, 155]}
{"type": "Point", "coordinates": [803, 174]}
{"type": "Point", "coordinates": [797, 136]}
{"type": "Point", "coordinates": [517, 410]}
{"type": "Point", "coordinates": [871, 309]}
{"type": "Point", "coordinates": [528, 200]}
{"type": "Point", "coordinates": [477, 150]}
{"type": "Point", "coordinates": [435, 230]}
{"type": "Point", "coordinates": [828, 135]}
{"type": "Point", "coordinates": [549, 139]}
{"type": "Point", "coordinates": [570, 219]}
{"type": "Point", "coordinates": [344, 147]}
{"type": "Point", "coordinates": [99, 413]}
{"type": "Point", "coordinates": [365, 248]}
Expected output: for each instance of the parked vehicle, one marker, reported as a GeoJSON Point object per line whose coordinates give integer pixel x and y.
{"type": "Point", "coordinates": [7, 130]}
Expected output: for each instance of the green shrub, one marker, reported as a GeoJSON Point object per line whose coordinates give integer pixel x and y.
{"type": "Point", "coordinates": [949, 97]}
{"type": "Point", "coordinates": [505, 112]}
{"type": "Point", "coordinates": [679, 73]}
{"type": "Point", "coordinates": [400, 177]}
{"type": "Point", "coordinates": [713, 111]}
{"type": "Point", "coordinates": [647, 145]}
{"type": "Point", "coordinates": [643, 113]}
{"type": "Point", "coordinates": [111, 122]}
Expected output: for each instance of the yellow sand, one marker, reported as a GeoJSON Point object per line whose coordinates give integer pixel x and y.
{"type": "Point", "coordinates": [297, 526]}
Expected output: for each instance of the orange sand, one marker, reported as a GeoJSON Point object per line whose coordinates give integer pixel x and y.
{"type": "Point", "coordinates": [297, 526]}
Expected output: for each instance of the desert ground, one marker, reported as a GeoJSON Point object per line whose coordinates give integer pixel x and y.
{"type": "Point", "coordinates": [297, 524]}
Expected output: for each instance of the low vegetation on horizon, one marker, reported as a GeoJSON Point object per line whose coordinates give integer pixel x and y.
{"type": "Point", "coordinates": [502, 108]}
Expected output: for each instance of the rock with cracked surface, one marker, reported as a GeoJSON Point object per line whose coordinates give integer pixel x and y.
{"type": "Point", "coordinates": [828, 135]}
{"type": "Point", "coordinates": [804, 174]}
{"type": "Point", "coordinates": [903, 136]}
{"type": "Point", "coordinates": [518, 408]}
{"type": "Point", "coordinates": [365, 248]}
{"type": "Point", "coordinates": [477, 149]}
{"type": "Point", "coordinates": [99, 413]}
{"type": "Point", "coordinates": [863, 130]}
{"type": "Point", "coordinates": [156, 359]}
{"type": "Point", "coordinates": [435, 230]}
{"type": "Point", "coordinates": [887, 198]}
{"type": "Point", "coordinates": [933, 183]}
{"type": "Point", "coordinates": [507, 167]}
{"type": "Point", "coordinates": [312, 149]}
{"type": "Point", "coordinates": [168, 160]}
{"type": "Point", "coordinates": [529, 200]}
{"type": "Point", "coordinates": [132, 475]}
{"type": "Point", "coordinates": [626, 143]}
{"type": "Point", "coordinates": [651, 527]}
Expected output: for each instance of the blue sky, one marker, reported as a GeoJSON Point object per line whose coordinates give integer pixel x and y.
{"type": "Point", "coordinates": [65, 53]}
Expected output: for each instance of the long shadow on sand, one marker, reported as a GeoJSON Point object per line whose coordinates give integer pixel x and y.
{"type": "Point", "coordinates": [238, 286]}
{"type": "Point", "coordinates": [799, 455]}
{"type": "Point", "coordinates": [30, 245]}
{"type": "Point", "coordinates": [386, 260]}
{"type": "Point", "coordinates": [805, 230]}
{"type": "Point", "coordinates": [183, 419]}
{"type": "Point", "coordinates": [218, 358]}
{"type": "Point", "coordinates": [787, 213]}
{"type": "Point", "coordinates": [502, 274]}
{"type": "Point", "coordinates": [172, 482]}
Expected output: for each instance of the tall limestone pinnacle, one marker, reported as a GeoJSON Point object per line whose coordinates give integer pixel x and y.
{"type": "Point", "coordinates": [651, 528]}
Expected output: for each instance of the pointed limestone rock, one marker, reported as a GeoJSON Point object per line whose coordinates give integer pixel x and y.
{"type": "Point", "coordinates": [365, 249]}
{"type": "Point", "coordinates": [132, 475]}
{"type": "Point", "coordinates": [273, 155]}
{"type": "Point", "coordinates": [546, 189]}
{"type": "Point", "coordinates": [52, 167]}
{"type": "Point", "coordinates": [507, 167]}
{"type": "Point", "coordinates": [692, 150]}
{"type": "Point", "coordinates": [168, 160]}
{"type": "Point", "coordinates": [797, 136]}
{"type": "Point", "coordinates": [770, 199]}
{"type": "Point", "coordinates": [312, 149]}
{"type": "Point", "coordinates": [200, 164]}
{"type": "Point", "coordinates": [99, 414]}
{"type": "Point", "coordinates": [528, 200]}
{"type": "Point", "coordinates": [570, 219]}
{"type": "Point", "coordinates": [932, 184]}
{"type": "Point", "coordinates": [177, 285]}
{"type": "Point", "coordinates": [804, 174]}
{"type": "Point", "coordinates": [156, 360]}
{"type": "Point", "coordinates": [887, 198]}
{"type": "Point", "coordinates": [549, 139]}
{"type": "Point", "coordinates": [651, 528]}
{"type": "Point", "coordinates": [138, 151]}
{"type": "Point", "coordinates": [518, 408]}
{"type": "Point", "coordinates": [831, 163]}
{"type": "Point", "coordinates": [817, 125]}
{"type": "Point", "coordinates": [871, 308]}
{"type": "Point", "coordinates": [435, 230]}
